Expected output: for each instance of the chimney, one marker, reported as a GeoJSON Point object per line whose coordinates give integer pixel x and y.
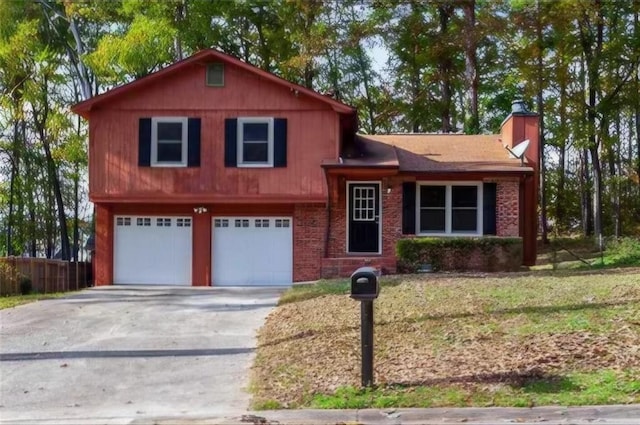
{"type": "Point", "coordinates": [520, 125]}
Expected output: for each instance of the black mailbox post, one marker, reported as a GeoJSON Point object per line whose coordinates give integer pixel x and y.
{"type": "Point", "coordinates": [365, 288]}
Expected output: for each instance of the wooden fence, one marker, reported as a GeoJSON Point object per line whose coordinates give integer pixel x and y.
{"type": "Point", "coordinates": [45, 275]}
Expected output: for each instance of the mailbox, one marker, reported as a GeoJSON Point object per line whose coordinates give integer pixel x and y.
{"type": "Point", "coordinates": [364, 284]}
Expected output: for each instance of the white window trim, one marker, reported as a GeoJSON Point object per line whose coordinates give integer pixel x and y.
{"type": "Point", "coordinates": [448, 199]}
{"type": "Point", "coordinates": [154, 141]}
{"type": "Point", "coordinates": [240, 140]}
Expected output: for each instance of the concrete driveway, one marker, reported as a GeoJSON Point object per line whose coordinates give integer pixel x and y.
{"type": "Point", "coordinates": [119, 354]}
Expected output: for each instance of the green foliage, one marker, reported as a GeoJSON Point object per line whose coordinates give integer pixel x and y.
{"type": "Point", "coordinates": [402, 64]}
{"type": "Point", "coordinates": [16, 300]}
{"type": "Point", "coordinates": [454, 253]}
{"type": "Point", "coordinates": [573, 389]}
{"type": "Point", "coordinates": [146, 45]}
{"type": "Point", "coordinates": [622, 252]}
{"type": "Point", "coordinates": [9, 279]}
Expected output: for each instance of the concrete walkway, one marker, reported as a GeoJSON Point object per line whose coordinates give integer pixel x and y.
{"type": "Point", "coordinates": [117, 354]}
{"type": "Point", "coordinates": [621, 415]}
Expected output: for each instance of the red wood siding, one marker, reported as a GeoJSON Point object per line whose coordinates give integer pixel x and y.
{"type": "Point", "coordinates": [312, 136]}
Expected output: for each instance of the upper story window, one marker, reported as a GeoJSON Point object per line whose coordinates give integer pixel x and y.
{"type": "Point", "coordinates": [169, 141]}
{"type": "Point", "coordinates": [255, 142]}
{"type": "Point", "coordinates": [451, 209]}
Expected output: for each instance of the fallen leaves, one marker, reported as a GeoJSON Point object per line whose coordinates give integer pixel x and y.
{"type": "Point", "coordinates": [451, 331]}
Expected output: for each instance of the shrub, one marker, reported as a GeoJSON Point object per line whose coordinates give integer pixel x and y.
{"type": "Point", "coordinates": [478, 254]}
{"type": "Point", "coordinates": [623, 252]}
{"type": "Point", "coordinates": [25, 285]}
{"type": "Point", "coordinates": [8, 279]}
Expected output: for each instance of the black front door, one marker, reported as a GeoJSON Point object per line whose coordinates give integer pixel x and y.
{"type": "Point", "coordinates": [364, 217]}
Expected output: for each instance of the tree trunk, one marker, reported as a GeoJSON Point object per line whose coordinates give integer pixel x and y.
{"type": "Point", "coordinates": [179, 15]}
{"type": "Point", "coordinates": [444, 67]}
{"type": "Point", "coordinates": [40, 119]}
{"type": "Point", "coordinates": [614, 192]}
{"type": "Point", "coordinates": [594, 88]}
{"type": "Point", "coordinates": [472, 121]}
{"type": "Point", "coordinates": [364, 70]}
{"type": "Point", "coordinates": [636, 26]}
{"type": "Point", "coordinates": [415, 90]}
{"type": "Point", "coordinates": [76, 201]}
{"type": "Point", "coordinates": [15, 171]}
{"type": "Point", "coordinates": [33, 241]}
{"type": "Point", "coordinates": [541, 135]}
{"type": "Point", "coordinates": [585, 194]}
{"type": "Point", "coordinates": [57, 193]}
{"type": "Point", "coordinates": [597, 192]}
{"type": "Point", "coordinates": [562, 115]}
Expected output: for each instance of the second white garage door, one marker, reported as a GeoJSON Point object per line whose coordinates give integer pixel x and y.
{"type": "Point", "coordinates": [152, 250]}
{"type": "Point", "coordinates": [252, 251]}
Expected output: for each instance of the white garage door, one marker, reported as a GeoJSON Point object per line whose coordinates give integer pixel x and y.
{"type": "Point", "coordinates": [152, 250]}
{"type": "Point", "coordinates": [252, 251]}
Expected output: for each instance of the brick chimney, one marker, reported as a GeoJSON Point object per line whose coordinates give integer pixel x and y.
{"type": "Point", "coordinates": [522, 124]}
{"type": "Point", "coordinates": [519, 126]}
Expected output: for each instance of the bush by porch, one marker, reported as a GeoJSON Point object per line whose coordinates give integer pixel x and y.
{"type": "Point", "coordinates": [486, 254]}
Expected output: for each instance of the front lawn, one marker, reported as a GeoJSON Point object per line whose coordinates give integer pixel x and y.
{"type": "Point", "coordinates": [458, 340]}
{"type": "Point", "coordinates": [15, 300]}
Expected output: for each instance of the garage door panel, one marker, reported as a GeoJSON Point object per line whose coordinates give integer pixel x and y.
{"type": "Point", "coordinates": [252, 251]}
{"type": "Point", "coordinates": [152, 250]}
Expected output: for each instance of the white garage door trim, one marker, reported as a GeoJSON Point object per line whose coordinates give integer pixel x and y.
{"type": "Point", "coordinates": [252, 251]}
{"type": "Point", "coordinates": [152, 250]}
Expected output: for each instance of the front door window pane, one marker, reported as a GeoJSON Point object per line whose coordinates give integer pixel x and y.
{"type": "Point", "coordinates": [363, 203]}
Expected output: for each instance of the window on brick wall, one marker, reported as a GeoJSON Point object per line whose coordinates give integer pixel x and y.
{"type": "Point", "coordinates": [452, 209]}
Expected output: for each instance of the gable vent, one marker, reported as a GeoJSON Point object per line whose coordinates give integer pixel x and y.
{"type": "Point", "coordinates": [215, 74]}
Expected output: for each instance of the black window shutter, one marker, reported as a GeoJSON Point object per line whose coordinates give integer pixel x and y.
{"type": "Point", "coordinates": [144, 142]}
{"type": "Point", "coordinates": [408, 208]}
{"type": "Point", "coordinates": [280, 142]}
{"type": "Point", "coordinates": [231, 142]}
{"type": "Point", "coordinates": [193, 149]}
{"type": "Point", "coordinates": [489, 193]}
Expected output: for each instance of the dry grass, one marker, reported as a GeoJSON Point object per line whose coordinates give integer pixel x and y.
{"type": "Point", "coordinates": [440, 330]}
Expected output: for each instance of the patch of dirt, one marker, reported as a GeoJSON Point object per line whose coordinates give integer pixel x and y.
{"type": "Point", "coordinates": [314, 346]}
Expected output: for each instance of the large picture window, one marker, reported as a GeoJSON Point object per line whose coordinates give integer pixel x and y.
{"type": "Point", "coordinates": [451, 209]}
{"type": "Point", "coordinates": [169, 141]}
{"type": "Point", "coordinates": [255, 142]}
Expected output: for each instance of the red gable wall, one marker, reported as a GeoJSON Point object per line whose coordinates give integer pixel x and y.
{"type": "Point", "coordinates": [313, 135]}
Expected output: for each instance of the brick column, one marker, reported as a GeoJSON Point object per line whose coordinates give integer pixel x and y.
{"type": "Point", "coordinates": [103, 260]}
{"type": "Point", "coordinates": [508, 208]}
{"type": "Point", "coordinates": [201, 252]}
{"type": "Point", "coordinates": [309, 231]}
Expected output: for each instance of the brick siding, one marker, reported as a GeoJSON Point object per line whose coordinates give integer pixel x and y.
{"type": "Point", "coordinates": [508, 208]}
{"type": "Point", "coordinates": [309, 232]}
